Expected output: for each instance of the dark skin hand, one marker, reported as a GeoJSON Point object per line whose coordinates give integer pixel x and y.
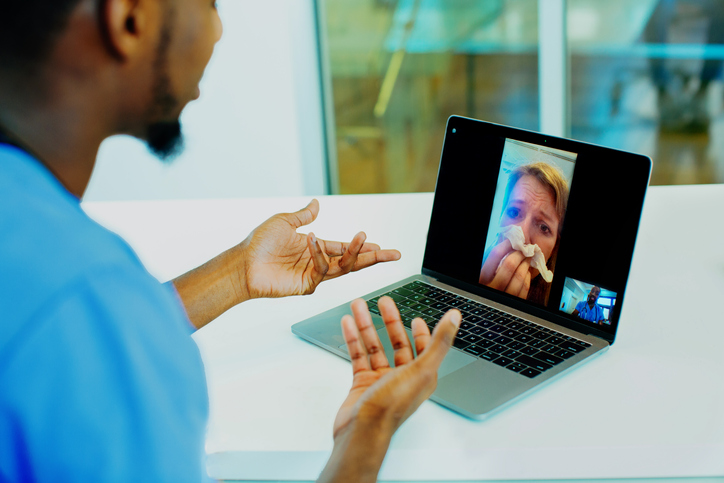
{"type": "Point", "coordinates": [382, 398]}
{"type": "Point", "coordinates": [273, 261]}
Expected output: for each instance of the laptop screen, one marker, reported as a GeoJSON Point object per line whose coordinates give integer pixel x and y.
{"type": "Point", "coordinates": [543, 224]}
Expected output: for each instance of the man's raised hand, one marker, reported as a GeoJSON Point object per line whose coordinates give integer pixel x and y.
{"type": "Point", "coordinates": [279, 262]}
{"type": "Point", "coordinates": [382, 398]}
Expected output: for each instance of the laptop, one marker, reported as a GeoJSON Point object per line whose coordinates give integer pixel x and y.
{"type": "Point", "coordinates": [531, 237]}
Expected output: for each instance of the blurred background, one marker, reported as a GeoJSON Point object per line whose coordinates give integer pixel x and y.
{"type": "Point", "coordinates": [308, 97]}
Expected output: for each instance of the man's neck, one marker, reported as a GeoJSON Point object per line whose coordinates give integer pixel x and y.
{"type": "Point", "coordinates": [64, 136]}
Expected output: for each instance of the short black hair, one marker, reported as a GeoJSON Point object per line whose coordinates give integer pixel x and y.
{"type": "Point", "coordinates": [29, 29]}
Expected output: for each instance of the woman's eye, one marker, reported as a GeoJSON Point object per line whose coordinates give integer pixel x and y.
{"type": "Point", "coordinates": [512, 212]}
{"type": "Point", "coordinates": [545, 229]}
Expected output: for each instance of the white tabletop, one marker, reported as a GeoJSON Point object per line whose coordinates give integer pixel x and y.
{"type": "Point", "coordinates": [649, 407]}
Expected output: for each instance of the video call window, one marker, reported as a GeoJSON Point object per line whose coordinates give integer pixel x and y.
{"type": "Point", "coordinates": [529, 208]}
{"type": "Point", "coordinates": [587, 302]}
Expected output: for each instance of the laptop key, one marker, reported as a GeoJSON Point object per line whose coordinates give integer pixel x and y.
{"type": "Point", "coordinates": [529, 373]}
{"type": "Point", "coordinates": [485, 343]}
{"type": "Point", "coordinates": [477, 330]}
{"type": "Point", "coordinates": [548, 347]}
{"type": "Point", "coordinates": [571, 347]}
{"type": "Point", "coordinates": [491, 335]}
{"type": "Point", "coordinates": [516, 345]}
{"type": "Point", "coordinates": [498, 328]}
{"type": "Point", "coordinates": [466, 325]}
{"type": "Point", "coordinates": [503, 361]}
{"type": "Point", "coordinates": [523, 338]}
{"type": "Point", "coordinates": [510, 353]}
{"type": "Point", "coordinates": [432, 313]}
{"type": "Point", "coordinates": [460, 344]}
{"type": "Point", "coordinates": [489, 356]}
{"type": "Point", "coordinates": [516, 367]}
{"type": "Point", "coordinates": [474, 350]}
{"type": "Point", "coordinates": [473, 318]}
{"type": "Point", "coordinates": [503, 340]}
{"type": "Point", "coordinates": [564, 354]}
{"type": "Point", "coordinates": [484, 323]}
{"type": "Point", "coordinates": [511, 333]}
{"type": "Point", "coordinates": [529, 351]}
{"type": "Point", "coordinates": [549, 358]}
{"type": "Point", "coordinates": [396, 297]}
{"type": "Point", "coordinates": [473, 339]}
{"type": "Point", "coordinates": [537, 343]}
{"type": "Point", "coordinates": [498, 349]}
{"type": "Point", "coordinates": [403, 291]}
{"type": "Point", "coordinates": [555, 340]}
{"type": "Point", "coordinates": [439, 306]}
{"type": "Point", "coordinates": [534, 363]}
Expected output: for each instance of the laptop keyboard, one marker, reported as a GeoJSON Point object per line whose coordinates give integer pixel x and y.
{"type": "Point", "coordinates": [518, 345]}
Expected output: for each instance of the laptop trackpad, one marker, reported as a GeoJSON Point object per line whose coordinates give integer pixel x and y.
{"type": "Point", "coordinates": [453, 361]}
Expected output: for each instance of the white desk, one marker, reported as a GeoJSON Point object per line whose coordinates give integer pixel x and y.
{"type": "Point", "coordinates": [652, 406]}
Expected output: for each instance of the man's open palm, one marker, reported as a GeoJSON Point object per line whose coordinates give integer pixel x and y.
{"type": "Point", "coordinates": [281, 262]}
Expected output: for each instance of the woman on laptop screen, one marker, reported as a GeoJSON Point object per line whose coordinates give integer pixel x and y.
{"type": "Point", "coordinates": [524, 232]}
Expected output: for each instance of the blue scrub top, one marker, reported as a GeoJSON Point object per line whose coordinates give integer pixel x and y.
{"type": "Point", "coordinates": [99, 377]}
{"type": "Point", "coordinates": [585, 312]}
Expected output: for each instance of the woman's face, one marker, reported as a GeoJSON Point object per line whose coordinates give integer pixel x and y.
{"type": "Point", "coordinates": [532, 207]}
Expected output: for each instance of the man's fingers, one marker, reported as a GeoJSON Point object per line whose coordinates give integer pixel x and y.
{"type": "Point", "coordinates": [398, 335]}
{"type": "Point", "coordinates": [367, 331]}
{"type": "Point", "coordinates": [365, 260]}
{"type": "Point", "coordinates": [442, 338]}
{"type": "Point", "coordinates": [306, 215]}
{"type": "Point", "coordinates": [420, 334]}
{"type": "Point", "coordinates": [354, 345]}
{"type": "Point", "coordinates": [349, 258]}
{"type": "Point", "coordinates": [370, 247]}
{"type": "Point", "coordinates": [337, 249]}
{"type": "Point", "coordinates": [321, 266]}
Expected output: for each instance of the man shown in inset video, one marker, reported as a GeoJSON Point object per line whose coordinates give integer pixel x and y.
{"type": "Point", "coordinates": [589, 310]}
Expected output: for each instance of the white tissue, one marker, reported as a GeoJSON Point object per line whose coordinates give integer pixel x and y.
{"type": "Point", "coordinates": [514, 233]}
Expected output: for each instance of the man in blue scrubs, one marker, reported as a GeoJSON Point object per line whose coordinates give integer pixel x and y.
{"type": "Point", "coordinates": [588, 309]}
{"type": "Point", "coordinates": [99, 377]}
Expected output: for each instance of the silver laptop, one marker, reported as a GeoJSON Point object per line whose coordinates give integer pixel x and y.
{"type": "Point", "coordinates": [531, 237]}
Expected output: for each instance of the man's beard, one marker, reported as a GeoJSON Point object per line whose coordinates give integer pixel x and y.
{"type": "Point", "coordinates": [164, 138]}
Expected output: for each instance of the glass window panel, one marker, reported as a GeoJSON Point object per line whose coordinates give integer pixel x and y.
{"type": "Point", "coordinates": [400, 68]}
{"type": "Point", "coordinates": [646, 77]}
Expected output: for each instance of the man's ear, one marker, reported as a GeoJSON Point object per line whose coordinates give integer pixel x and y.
{"type": "Point", "coordinates": [123, 25]}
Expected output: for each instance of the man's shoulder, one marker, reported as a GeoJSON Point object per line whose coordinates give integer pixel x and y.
{"type": "Point", "coordinates": [47, 242]}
